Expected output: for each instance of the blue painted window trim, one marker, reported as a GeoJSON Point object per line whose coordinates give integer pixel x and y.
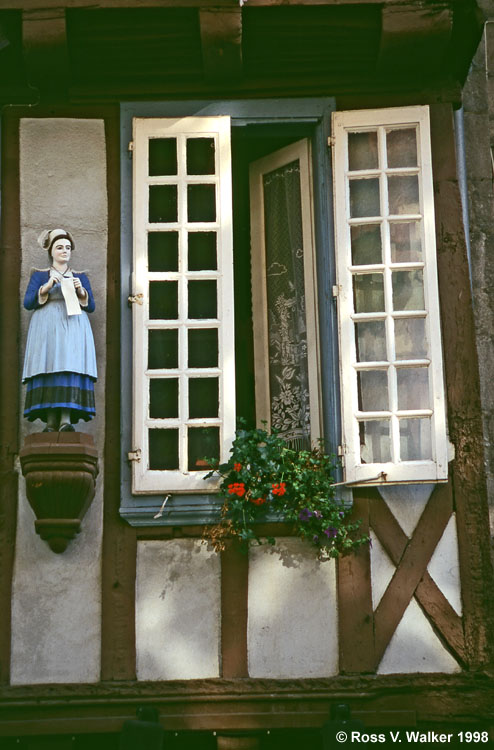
{"type": "Point", "coordinates": [182, 510]}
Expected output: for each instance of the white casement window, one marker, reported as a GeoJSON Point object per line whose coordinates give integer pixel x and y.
{"type": "Point", "coordinates": [392, 391]}
{"type": "Point", "coordinates": [286, 354]}
{"type": "Point", "coordinates": [182, 301]}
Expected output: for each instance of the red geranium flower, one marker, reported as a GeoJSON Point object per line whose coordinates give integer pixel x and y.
{"type": "Point", "coordinates": [279, 489]}
{"type": "Point", "coordinates": [258, 500]}
{"type": "Point", "coordinates": [237, 488]}
{"type": "Point", "coordinates": [237, 467]}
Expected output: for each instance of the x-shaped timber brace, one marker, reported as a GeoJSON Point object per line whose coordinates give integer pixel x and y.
{"type": "Point", "coordinates": [365, 633]}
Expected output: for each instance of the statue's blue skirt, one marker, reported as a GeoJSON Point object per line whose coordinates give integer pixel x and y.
{"type": "Point", "coordinates": [60, 390]}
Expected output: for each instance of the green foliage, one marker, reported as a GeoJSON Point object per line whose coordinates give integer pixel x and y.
{"type": "Point", "coordinates": [265, 476]}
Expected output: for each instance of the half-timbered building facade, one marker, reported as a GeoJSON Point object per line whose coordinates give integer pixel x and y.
{"type": "Point", "coordinates": [271, 200]}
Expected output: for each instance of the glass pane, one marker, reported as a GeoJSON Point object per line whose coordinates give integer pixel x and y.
{"type": "Point", "coordinates": [402, 148]}
{"type": "Point", "coordinates": [203, 347]}
{"type": "Point", "coordinates": [162, 203]}
{"type": "Point", "coordinates": [200, 155]}
{"type": "Point", "coordinates": [366, 244]}
{"type": "Point", "coordinates": [201, 203]}
{"type": "Point", "coordinates": [373, 390]}
{"type": "Point", "coordinates": [408, 290]}
{"type": "Point", "coordinates": [368, 292]}
{"type": "Point", "coordinates": [163, 449]}
{"type": "Point", "coordinates": [163, 349]}
{"type": "Point", "coordinates": [204, 444]}
{"type": "Point", "coordinates": [203, 397]}
{"type": "Point", "coordinates": [163, 398]}
{"type": "Point", "coordinates": [202, 251]}
{"type": "Point", "coordinates": [362, 150]}
{"type": "Point", "coordinates": [163, 251]}
{"type": "Point", "coordinates": [406, 244]}
{"type": "Point", "coordinates": [364, 198]}
{"type": "Point", "coordinates": [163, 300]}
{"type": "Point", "coordinates": [162, 156]}
{"type": "Point", "coordinates": [415, 439]}
{"type": "Point", "coordinates": [370, 341]}
{"type": "Point", "coordinates": [375, 444]}
{"type": "Point", "coordinates": [413, 388]}
{"type": "Point", "coordinates": [202, 299]}
{"type": "Point", "coordinates": [410, 338]}
{"type": "Point", "coordinates": [403, 194]}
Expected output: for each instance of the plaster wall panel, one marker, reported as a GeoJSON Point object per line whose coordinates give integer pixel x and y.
{"type": "Point", "coordinates": [382, 569]}
{"type": "Point", "coordinates": [56, 609]}
{"type": "Point", "coordinates": [415, 647]}
{"type": "Point", "coordinates": [407, 502]}
{"type": "Point", "coordinates": [177, 610]}
{"type": "Point", "coordinates": [292, 621]}
{"type": "Point", "coordinates": [444, 566]}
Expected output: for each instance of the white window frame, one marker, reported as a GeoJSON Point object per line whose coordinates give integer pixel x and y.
{"type": "Point", "coordinates": [301, 152]}
{"type": "Point", "coordinates": [395, 471]}
{"type": "Point", "coordinates": [144, 479]}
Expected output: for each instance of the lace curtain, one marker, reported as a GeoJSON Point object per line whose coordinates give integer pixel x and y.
{"type": "Point", "coordinates": [288, 366]}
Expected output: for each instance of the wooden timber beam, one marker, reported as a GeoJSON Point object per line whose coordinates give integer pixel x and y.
{"type": "Point", "coordinates": [44, 37]}
{"type": "Point", "coordinates": [413, 38]}
{"type": "Point", "coordinates": [212, 4]}
{"type": "Point", "coordinates": [221, 40]}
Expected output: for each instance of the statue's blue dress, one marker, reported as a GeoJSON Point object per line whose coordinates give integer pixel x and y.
{"type": "Point", "coordinates": [60, 361]}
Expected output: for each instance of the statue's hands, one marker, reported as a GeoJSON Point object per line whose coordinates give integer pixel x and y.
{"type": "Point", "coordinates": [80, 291]}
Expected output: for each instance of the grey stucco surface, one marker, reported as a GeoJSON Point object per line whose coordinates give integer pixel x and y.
{"type": "Point", "coordinates": [56, 611]}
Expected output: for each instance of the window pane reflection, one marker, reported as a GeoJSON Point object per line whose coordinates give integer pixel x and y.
{"type": "Point", "coordinates": [373, 390]}
{"type": "Point", "coordinates": [163, 349]}
{"type": "Point", "coordinates": [402, 147]}
{"type": "Point", "coordinates": [364, 198]}
{"type": "Point", "coordinates": [362, 150]}
{"type": "Point", "coordinates": [375, 444]}
{"type": "Point", "coordinates": [406, 244]}
{"type": "Point", "coordinates": [410, 338]}
{"type": "Point", "coordinates": [413, 388]}
{"type": "Point", "coordinates": [162, 204]}
{"type": "Point", "coordinates": [408, 290]}
{"type": "Point", "coordinates": [366, 244]}
{"type": "Point", "coordinates": [203, 397]}
{"type": "Point", "coordinates": [403, 194]}
{"type": "Point", "coordinates": [415, 439]}
{"type": "Point", "coordinates": [202, 299]}
{"type": "Point", "coordinates": [368, 292]}
{"type": "Point", "coordinates": [370, 341]}
{"type": "Point", "coordinates": [204, 443]}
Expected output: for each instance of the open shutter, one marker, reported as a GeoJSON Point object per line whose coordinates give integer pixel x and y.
{"type": "Point", "coordinates": [392, 387]}
{"type": "Point", "coordinates": [182, 291]}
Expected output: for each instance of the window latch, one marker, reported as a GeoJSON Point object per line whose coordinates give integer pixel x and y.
{"type": "Point", "coordinates": [135, 298]}
{"type": "Point", "coordinates": [134, 456]}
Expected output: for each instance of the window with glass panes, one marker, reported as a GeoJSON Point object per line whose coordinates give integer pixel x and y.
{"type": "Point", "coordinates": [388, 309]}
{"type": "Point", "coordinates": [183, 369]}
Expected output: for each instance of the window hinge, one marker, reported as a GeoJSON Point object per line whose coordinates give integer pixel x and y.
{"type": "Point", "coordinates": [130, 147]}
{"type": "Point", "coordinates": [331, 140]}
{"type": "Point", "coordinates": [341, 450]}
{"type": "Point", "coordinates": [336, 290]}
{"type": "Point", "coordinates": [135, 298]}
{"type": "Point", "coordinates": [134, 455]}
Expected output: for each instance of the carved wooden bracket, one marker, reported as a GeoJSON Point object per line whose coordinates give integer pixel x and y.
{"type": "Point", "coordinates": [60, 470]}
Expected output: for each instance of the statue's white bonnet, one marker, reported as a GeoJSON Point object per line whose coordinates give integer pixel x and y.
{"type": "Point", "coordinates": [48, 237]}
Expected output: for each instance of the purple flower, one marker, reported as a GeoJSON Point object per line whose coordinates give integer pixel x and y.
{"type": "Point", "coordinates": [305, 514]}
{"type": "Point", "coordinates": [315, 539]}
{"type": "Point", "coordinates": [330, 532]}
{"type": "Point", "coordinates": [342, 514]}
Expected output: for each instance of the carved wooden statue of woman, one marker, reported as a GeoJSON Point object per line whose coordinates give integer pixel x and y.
{"type": "Point", "coordinates": [60, 361]}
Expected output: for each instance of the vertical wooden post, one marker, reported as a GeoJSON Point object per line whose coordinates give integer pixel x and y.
{"type": "Point", "coordinates": [118, 649]}
{"type": "Point", "coordinates": [355, 613]}
{"type": "Point", "coordinates": [463, 395]}
{"type": "Point", "coordinates": [234, 596]}
{"type": "Point", "coordinates": [9, 376]}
